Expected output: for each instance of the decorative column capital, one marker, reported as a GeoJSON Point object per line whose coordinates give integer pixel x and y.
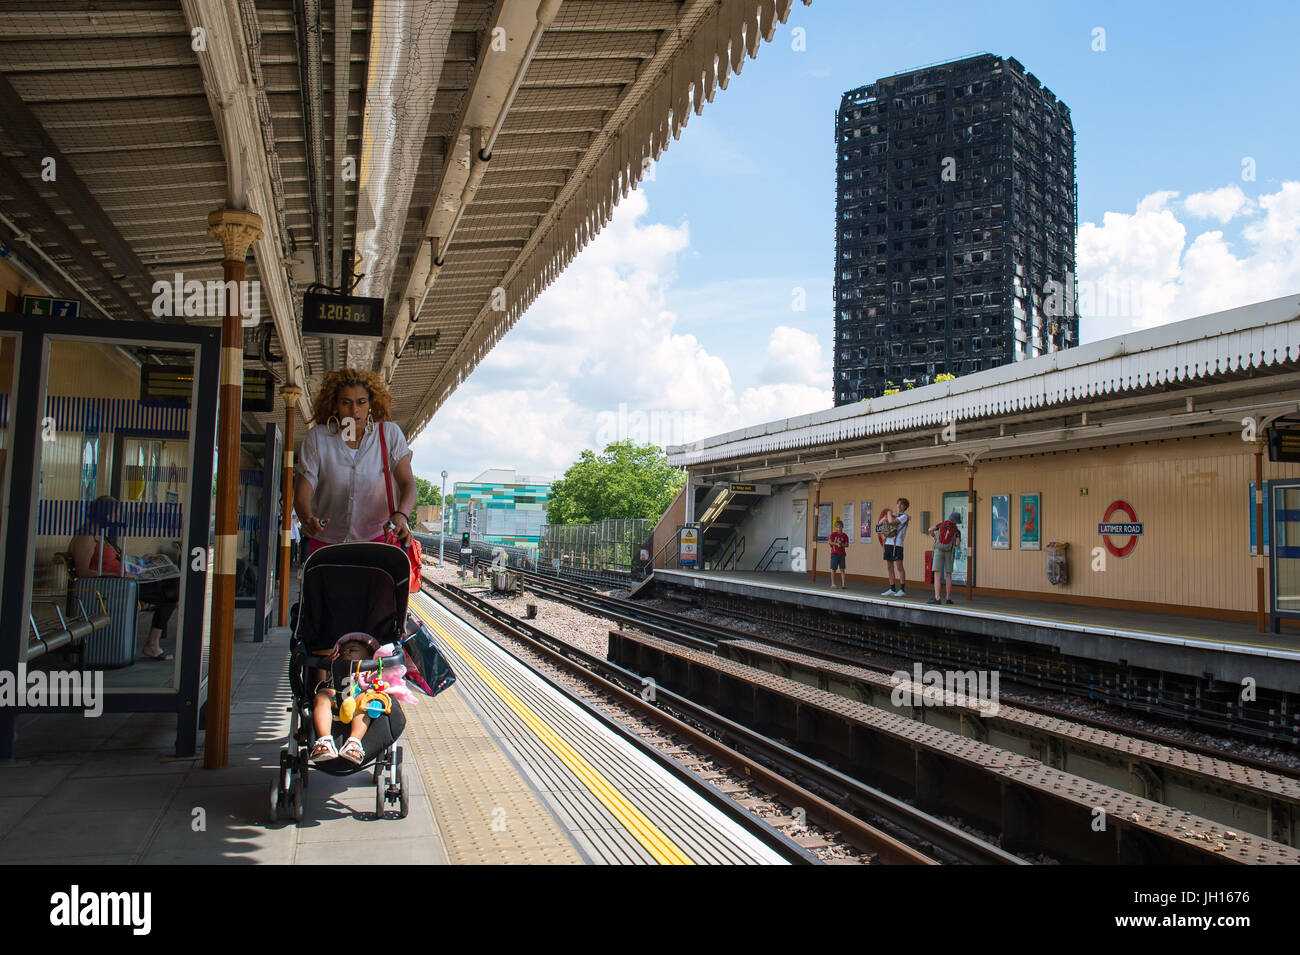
{"type": "Point", "coordinates": [236, 230]}
{"type": "Point", "coordinates": [290, 393]}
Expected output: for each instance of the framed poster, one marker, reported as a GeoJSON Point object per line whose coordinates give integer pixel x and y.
{"type": "Point", "coordinates": [824, 516]}
{"type": "Point", "coordinates": [847, 516]}
{"type": "Point", "coordinates": [864, 515]}
{"type": "Point", "coordinates": [1000, 526]}
{"type": "Point", "coordinates": [1031, 521]}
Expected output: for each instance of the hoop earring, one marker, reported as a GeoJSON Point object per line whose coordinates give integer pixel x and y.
{"type": "Point", "coordinates": [370, 422]}
{"type": "Point", "coordinates": [333, 425]}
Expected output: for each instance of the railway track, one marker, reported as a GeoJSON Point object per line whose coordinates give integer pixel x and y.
{"type": "Point", "coordinates": [897, 832]}
{"type": "Point", "coordinates": [1236, 792]}
{"type": "Point", "coordinates": [701, 634]}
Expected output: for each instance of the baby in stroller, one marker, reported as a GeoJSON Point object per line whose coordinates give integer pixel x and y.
{"type": "Point", "coordinates": [352, 608]}
{"type": "Point", "coordinates": [366, 694]}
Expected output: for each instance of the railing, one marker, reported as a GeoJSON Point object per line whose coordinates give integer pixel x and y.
{"type": "Point", "coordinates": [674, 555]}
{"type": "Point", "coordinates": [772, 553]}
{"type": "Point", "coordinates": [731, 557]}
{"type": "Point", "coordinates": [607, 545]}
{"type": "Point", "coordinates": [521, 558]}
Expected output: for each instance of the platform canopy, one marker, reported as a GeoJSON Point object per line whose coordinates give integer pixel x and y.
{"type": "Point", "coordinates": [1231, 371]}
{"type": "Point", "coordinates": [456, 155]}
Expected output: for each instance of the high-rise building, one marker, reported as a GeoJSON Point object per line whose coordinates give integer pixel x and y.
{"type": "Point", "coordinates": [501, 507]}
{"type": "Point", "coordinates": [955, 225]}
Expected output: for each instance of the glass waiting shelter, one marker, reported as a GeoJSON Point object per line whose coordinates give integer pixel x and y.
{"type": "Point", "coordinates": [107, 434]}
{"type": "Point", "coordinates": [258, 547]}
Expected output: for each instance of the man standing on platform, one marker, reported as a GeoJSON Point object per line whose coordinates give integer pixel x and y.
{"type": "Point", "coordinates": [839, 542]}
{"type": "Point", "coordinates": [894, 549]}
{"type": "Point", "coordinates": [947, 538]}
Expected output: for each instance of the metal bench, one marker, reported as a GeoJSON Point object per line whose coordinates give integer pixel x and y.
{"type": "Point", "coordinates": [59, 618]}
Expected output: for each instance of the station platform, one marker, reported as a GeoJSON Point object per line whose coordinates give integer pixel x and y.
{"type": "Point", "coordinates": [1195, 646]}
{"type": "Point", "coordinates": [500, 769]}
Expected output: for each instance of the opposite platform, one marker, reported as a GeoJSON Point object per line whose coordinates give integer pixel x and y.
{"type": "Point", "coordinates": [1188, 645]}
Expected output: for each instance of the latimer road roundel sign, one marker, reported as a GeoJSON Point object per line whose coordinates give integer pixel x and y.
{"type": "Point", "coordinates": [1110, 528]}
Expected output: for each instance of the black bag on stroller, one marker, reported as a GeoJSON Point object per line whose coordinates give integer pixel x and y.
{"type": "Point", "coordinates": [346, 588]}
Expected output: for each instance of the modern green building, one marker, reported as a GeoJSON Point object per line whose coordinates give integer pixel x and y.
{"type": "Point", "coordinates": [501, 507]}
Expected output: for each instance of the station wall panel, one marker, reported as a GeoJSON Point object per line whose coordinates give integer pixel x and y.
{"type": "Point", "coordinates": [1190, 495]}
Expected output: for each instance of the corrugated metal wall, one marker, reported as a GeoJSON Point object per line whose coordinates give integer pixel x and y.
{"type": "Point", "coordinates": [1191, 496]}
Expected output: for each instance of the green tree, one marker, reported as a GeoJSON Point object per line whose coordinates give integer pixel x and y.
{"type": "Point", "coordinates": [624, 481]}
{"type": "Point", "coordinates": [426, 493]}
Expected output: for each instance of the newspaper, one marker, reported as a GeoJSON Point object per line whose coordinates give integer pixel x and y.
{"type": "Point", "coordinates": [151, 567]}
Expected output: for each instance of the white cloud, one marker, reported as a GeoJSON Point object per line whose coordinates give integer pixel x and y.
{"type": "Point", "coordinates": [795, 356]}
{"type": "Point", "coordinates": [599, 357]}
{"type": "Point", "coordinates": [1222, 204]}
{"type": "Point", "coordinates": [1139, 270]}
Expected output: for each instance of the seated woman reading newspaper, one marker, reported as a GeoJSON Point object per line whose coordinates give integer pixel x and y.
{"type": "Point", "coordinates": [96, 557]}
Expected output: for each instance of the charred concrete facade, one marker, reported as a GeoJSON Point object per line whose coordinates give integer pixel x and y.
{"type": "Point", "coordinates": [956, 215]}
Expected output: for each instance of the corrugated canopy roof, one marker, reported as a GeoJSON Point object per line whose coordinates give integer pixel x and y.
{"type": "Point", "coordinates": [159, 112]}
{"type": "Point", "coordinates": [1223, 344]}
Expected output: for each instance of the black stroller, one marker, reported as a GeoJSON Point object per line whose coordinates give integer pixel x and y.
{"type": "Point", "coordinates": [345, 588]}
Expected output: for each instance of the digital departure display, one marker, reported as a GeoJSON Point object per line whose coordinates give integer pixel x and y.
{"type": "Point", "coordinates": [1283, 445]}
{"type": "Point", "coordinates": [259, 391]}
{"type": "Point", "coordinates": [342, 316]}
{"type": "Point", "coordinates": [166, 384]}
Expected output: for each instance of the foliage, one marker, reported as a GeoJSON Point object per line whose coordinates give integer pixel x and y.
{"type": "Point", "coordinates": [624, 481]}
{"type": "Point", "coordinates": [426, 492]}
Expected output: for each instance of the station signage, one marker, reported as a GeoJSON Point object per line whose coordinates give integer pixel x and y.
{"type": "Point", "coordinates": [342, 316]}
{"type": "Point", "coordinates": [43, 305]}
{"type": "Point", "coordinates": [1110, 528]}
{"type": "Point", "coordinates": [1283, 445]}
{"type": "Point", "coordinates": [166, 384]}
{"type": "Point", "coordinates": [689, 550]}
{"type": "Point", "coordinates": [258, 391]}
{"type": "Point", "coordinates": [743, 489]}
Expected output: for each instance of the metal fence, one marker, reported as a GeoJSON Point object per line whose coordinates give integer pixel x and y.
{"type": "Point", "coordinates": [523, 558]}
{"type": "Point", "coordinates": [608, 545]}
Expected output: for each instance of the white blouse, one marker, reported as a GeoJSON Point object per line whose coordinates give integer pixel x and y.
{"type": "Point", "coordinates": [348, 484]}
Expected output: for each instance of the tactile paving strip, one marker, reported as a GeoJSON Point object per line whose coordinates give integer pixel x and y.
{"type": "Point", "coordinates": [615, 802]}
{"type": "Point", "coordinates": [486, 810]}
{"type": "Point", "coordinates": [1160, 820]}
{"type": "Point", "coordinates": [1260, 782]}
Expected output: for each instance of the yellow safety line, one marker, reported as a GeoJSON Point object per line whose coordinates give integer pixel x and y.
{"type": "Point", "coordinates": [646, 832]}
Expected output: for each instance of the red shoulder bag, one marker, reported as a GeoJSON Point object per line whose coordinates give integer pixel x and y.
{"type": "Point", "coordinates": [413, 550]}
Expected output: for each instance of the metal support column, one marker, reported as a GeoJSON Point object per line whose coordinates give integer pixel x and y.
{"type": "Point", "coordinates": [236, 230]}
{"type": "Point", "coordinates": [816, 510]}
{"type": "Point", "coordinates": [290, 394]}
{"type": "Point", "coordinates": [1261, 596]}
{"type": "Point", "coordinates": [970, 531]}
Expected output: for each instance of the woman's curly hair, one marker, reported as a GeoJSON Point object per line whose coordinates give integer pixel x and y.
{"type": "Point", "coordinates": [327, 395]}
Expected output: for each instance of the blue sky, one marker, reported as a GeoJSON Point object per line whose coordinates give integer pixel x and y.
{"type": "Point", "coordinates": [684, 306]}
{"type": "Point", "coordinates": [1174, 102]}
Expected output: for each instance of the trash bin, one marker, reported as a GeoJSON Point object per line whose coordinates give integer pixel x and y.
{"type": "Point", "coordinates": [1058, 568]}
{"type": "Point", "coordinates": [114, 646]}
{"type": "Point", "coordinates": [929, 566]}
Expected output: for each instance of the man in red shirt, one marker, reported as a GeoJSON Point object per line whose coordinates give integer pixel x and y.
{"type": "Point", "coordinates": [838, 541]}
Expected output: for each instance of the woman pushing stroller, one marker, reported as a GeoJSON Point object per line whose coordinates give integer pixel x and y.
{"type": "Point", "coordinates": [340, 485]}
